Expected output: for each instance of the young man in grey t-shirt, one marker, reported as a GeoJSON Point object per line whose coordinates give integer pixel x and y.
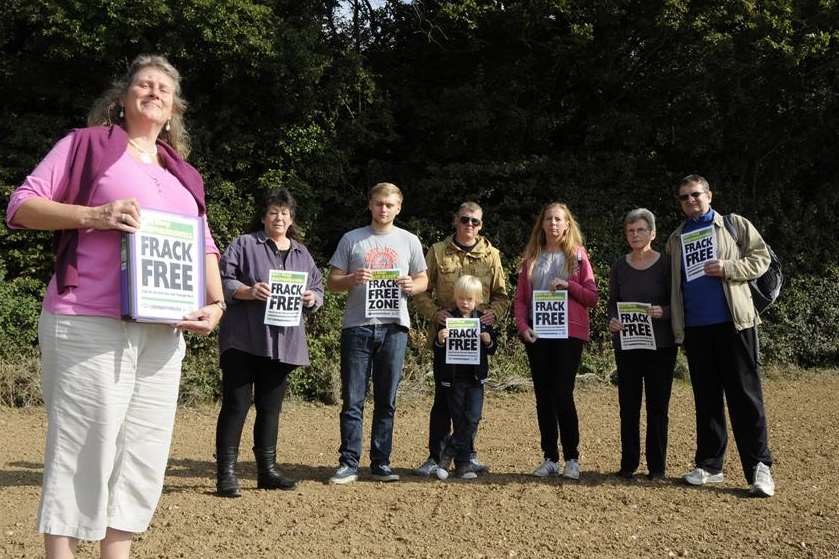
{"type": "Point", "coordinates": [380, 265]}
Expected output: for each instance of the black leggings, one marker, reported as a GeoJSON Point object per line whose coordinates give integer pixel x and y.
{"type": "Point", "coordinates": [554, 364]}
{"type": "Point", "coordinates": [245, 378]}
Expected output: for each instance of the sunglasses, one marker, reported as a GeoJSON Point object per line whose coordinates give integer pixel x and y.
{"type": "Point", "coordinates": [695, 194]}
{"type": "Point", "coordinates": [466, 220]}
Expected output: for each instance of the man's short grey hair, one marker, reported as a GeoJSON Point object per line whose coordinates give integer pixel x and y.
{"type": "Point", "coordinates": [693, 179]}
{"type": "Point", "coordinates": [638, 214]}
{"type": "Point", "coordinates": [470, 207]}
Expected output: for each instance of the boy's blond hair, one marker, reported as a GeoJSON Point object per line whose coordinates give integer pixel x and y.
{"type": "Point", "coordinates": [384, 189]}
{"type": "Point", "coordinates": [469, 285]}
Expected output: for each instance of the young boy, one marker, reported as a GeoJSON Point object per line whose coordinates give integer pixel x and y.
{"type": "Point", "coordinates": [464, 384]}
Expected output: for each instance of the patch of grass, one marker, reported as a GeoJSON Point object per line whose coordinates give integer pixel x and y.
{"type": "Point", "coordinates": [20, 380]}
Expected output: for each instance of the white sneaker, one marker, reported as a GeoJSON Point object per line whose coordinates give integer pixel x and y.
{"type": "Point", "coordinates": [701, 477]}
{"type": "Point", "coordinates": [548, 468]}
{"type": "Point", "coordinates": [764, 485]}
{"type": "Point", "coordinates": [571, 469]}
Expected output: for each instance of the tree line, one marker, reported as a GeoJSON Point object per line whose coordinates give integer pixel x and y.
{"type": "Point", "coordinates": [601, 104]}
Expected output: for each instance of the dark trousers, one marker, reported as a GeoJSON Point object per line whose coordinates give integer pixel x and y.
{"type": "Point", "coordinates": [465, 402]}
{"type": "Point", "coordinates": [553, 365]}
{"type": "Point", "coordinates": [439, 423]}
{"type": "Point", "coordinates": [250, 378]}
{"type": "Point", "coordinates": [651, 373]}
{"type": "Point", "coordinates": [723, 365]}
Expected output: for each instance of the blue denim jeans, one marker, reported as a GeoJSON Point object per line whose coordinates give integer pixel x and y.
{"type": "Point", "coordinates": [377, 350]}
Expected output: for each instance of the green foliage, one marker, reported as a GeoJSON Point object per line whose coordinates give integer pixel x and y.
{"type": "Point", "coordinates": [200, 371]}
{"type": "Point", "coordinates": [321, 380]}
{"type": "Point", "coordinates": [20, 380]}
{"type": "Point", "coordinates": [603, 105]}
{"type": "Point", "coordinates": [800, 327]}
{"type": "Point", "coordinates": [20, 307]}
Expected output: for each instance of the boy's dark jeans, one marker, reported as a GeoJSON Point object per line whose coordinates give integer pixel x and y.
{"type": "Point", "coordinates": [465, 402]}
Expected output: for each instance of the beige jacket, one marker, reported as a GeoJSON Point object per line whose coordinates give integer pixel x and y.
{"type": "Point", "coordinates": [738, 270]}
{"type": "Point", "coordinates": [447, 262]}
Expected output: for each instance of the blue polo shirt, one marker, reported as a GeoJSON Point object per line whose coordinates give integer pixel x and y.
{"type": "Point", "coordinates": [703, 298]}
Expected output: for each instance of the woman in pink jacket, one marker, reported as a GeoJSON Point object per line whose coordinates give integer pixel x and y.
{"type": "Point", "coordinates": [555, 259]}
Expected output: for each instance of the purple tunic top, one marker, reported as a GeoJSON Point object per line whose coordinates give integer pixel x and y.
{"type": "Point", "coordinates": [247, 261]}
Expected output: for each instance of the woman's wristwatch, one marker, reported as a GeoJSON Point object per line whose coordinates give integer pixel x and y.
{"type": "Point", "coordinates": [222, 305]}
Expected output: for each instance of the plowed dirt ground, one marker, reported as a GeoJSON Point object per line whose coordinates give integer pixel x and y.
{"type": "Point", "coordinates": [507, 513]}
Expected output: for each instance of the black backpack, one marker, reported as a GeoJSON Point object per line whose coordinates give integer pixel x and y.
{"type": "Point", "coordinates": [766, 288]}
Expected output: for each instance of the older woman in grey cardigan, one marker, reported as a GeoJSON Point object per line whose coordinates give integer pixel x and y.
{"type": "Point", "coordinates": [643, 276]}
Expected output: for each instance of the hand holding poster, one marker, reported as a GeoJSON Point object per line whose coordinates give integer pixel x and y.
{"type": "Point", "coordinates": [637, 331]}
{"type": "Point", "coordinates": [285, 303]}
{"type": "Point", "coordinates": [698, 247]}
{"type": "Point", "coordinates": [382, 294]}
{"type": "Point", "coordinates": [550, 314]}
{"type": "Point", "coordinates": [162, 268]}
{"type": "Point", "coordinates": [463, 345]}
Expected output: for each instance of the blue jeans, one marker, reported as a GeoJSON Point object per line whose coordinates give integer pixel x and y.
{"type": "Point", "coordinates": [377, 350]}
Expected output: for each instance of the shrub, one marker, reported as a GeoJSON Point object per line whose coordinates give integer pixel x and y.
{"type": "Point", "coordinates": [321, 380]}
{"type": "Point", "coordinates": [20, 380]}
{"type": "Point", "coordinates": [800, 329]}
{"type": "Point", "coordinates": [20, 307]}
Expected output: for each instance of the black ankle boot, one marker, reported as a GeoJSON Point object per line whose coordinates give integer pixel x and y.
{"type": "Point", "coordinates": [226, 483]}
{"type": "Point", "coordinates": [267, 475]}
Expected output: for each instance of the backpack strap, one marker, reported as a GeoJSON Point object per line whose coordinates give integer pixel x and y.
{"type": "Point", "coordinates": [728, 220]}
{"type": "Point", "coordinates": [730, 227]}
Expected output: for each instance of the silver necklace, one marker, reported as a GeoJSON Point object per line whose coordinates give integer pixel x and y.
{"type": "Point", "coordinates": [146, 157]}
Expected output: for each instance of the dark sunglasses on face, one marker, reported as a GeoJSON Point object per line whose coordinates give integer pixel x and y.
{"type": "Point", "coordinates": [695, 194]}
{"type": "Point", "coordinates": [466, 220]}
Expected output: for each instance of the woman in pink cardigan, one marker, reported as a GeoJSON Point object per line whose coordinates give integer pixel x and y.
{"type": "Point", "coordinates": [555, 259]}
{"type": "Point", "coordinates": [111, 385]}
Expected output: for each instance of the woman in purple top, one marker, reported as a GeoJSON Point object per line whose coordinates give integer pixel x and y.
{"type": "Point", "coordinates": [643, 276]}
{"type": "Point", "coordinates": [256, 358]}
{"type": "Point", "coordinates": [110, 386]}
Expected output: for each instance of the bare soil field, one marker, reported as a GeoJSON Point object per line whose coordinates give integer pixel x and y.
{"type": "Point", "coordinates": [507, 513]}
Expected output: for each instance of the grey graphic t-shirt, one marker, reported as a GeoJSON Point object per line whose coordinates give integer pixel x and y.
{"type": "Point", "coordinates": [364, 248]}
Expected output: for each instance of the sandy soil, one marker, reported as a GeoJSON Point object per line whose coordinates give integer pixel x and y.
{"type": "Point", "coordinates": [505, 514]}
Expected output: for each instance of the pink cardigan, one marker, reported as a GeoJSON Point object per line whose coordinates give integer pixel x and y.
{"type": "Point", "coordinates": [582, 295]}
{"type": "Point", "coordinates": [97, 252]}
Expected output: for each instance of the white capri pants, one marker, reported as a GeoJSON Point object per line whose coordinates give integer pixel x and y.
{"type": "Point", "coordinates": [111, 391]}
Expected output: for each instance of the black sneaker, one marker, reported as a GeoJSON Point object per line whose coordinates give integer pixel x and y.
{"type": "Point", "coordinates": [625, 474]}
{"type": "Point", "coordinates": [446, 457]}
{"type": "Point", "coordinates": [466, 471]}
{"type": "Point", "coordinates": [382, 472]}
{"type": "Point", "coordinates": [480, 469]}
